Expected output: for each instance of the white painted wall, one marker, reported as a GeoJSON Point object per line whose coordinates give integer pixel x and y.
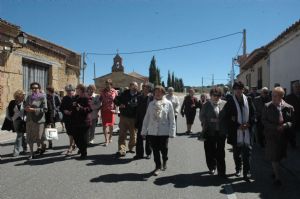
{"type": "Point", "coordinates": [285, 61]}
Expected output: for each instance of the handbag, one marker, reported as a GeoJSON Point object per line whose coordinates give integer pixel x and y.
{"type": "Point", "coordinates": [51, 134]}
{"type": "Point", "coordinates": [58, 116]}
{"type": "Point", "coordinates": [22, 126]}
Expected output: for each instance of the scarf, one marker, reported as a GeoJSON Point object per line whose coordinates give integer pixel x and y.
{"type": "Point", "coordinates": [216, 108]}
{"type": "Point", "coordinates": [158, 107]}
{"type": "Point", "coordinates": [35, 96]}
{"type": "Point", "coordinates": [243, 136]}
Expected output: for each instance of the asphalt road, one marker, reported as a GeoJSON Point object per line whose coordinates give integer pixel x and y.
{"type": "Point", "coordinates": [101, 175]}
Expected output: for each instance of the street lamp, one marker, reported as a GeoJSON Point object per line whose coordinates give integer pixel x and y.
{"type": "Point", "coordinates": [8, 46]}
{"type": "Point", "coordinates": [22, 38]}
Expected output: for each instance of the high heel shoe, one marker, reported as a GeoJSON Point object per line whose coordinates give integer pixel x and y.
{"type": "Point", "coordinates": [69, 152]}
{"type": "Point", "coordinates": [43, 149]}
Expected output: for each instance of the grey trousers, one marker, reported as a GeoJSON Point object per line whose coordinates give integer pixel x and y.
{"type": "Point", "coordinates": [20, 143]}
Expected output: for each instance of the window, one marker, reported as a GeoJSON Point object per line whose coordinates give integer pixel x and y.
{"type": "Point", "coordinates": [248, 80]}
{"type": "Point", "coordinates": [35, 72]}
{"type": "Point", "coordinates": [259, 78]}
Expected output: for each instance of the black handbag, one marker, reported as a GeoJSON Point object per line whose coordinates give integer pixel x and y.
{"type": "Point", "coordinates": [22, 126]}
{"type": "Point", "coordinates": [58, 116]}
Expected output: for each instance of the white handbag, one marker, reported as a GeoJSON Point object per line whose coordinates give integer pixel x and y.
{"type": "Point", "coordinates": [51, 134]}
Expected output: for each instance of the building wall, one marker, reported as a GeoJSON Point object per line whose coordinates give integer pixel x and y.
{"type": "Point", "coordinates": [253, 71]}
{"type": "Point", "coordinates": [119, 79]}
{"type": "Point", "coordinates": [285, 61]}
{"type": "Point", "coordinates": [11, 74]}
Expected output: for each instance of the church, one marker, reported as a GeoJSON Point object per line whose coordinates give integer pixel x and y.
{"type": "Point", "coordinates": [119, 78]}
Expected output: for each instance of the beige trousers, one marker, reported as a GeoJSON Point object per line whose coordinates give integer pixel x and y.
{"type": "Point", "coordinates": [126, 124]}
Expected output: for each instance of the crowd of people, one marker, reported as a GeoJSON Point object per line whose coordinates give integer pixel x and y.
{"type": "Point", "coordinates": [270, 119]}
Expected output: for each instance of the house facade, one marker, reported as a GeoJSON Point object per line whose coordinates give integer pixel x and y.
{"type": "Point", "coordinates": [277, 62]}
{"type": "Point", "coordinates": [36, 61]}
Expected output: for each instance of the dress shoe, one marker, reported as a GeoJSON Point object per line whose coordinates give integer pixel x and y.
{"type": "Point", "coordinates": [156, 172]}
{"type": "Point", "coordinates": [31, 157]}
{"type": "Point", "coordinates": [38, 151]}
{"type": "Point", "coordinates": [148, 157]}
{"type": "Point", "coordinates": [83, 156]}
{"type": "Point", "coordinates": [164, 167]}
{"type": "Point", "coordinates": [137, 157]}
{"type": "Point", "coordinates": [247, 179]}
{"type": "Point", "coordinates": [237, 173]}
{"type": "Point", "coordinates": [223, 176]}
{"type": "Point", "coordinates": [212, 172]}
{"type": "Point", "coordinates": [119, 154]}
{"type": "Point", "coordinates": [131, 151]}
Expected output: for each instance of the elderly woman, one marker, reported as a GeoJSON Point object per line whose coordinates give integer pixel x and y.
{"type": "Point", "coordinates": [214, 143]}
{"type": "Point", "coordinates": [188, 109]}
{"type": "Point", "coordinates": [159, 125]}
{"type": "Point", "coordinates": [66, 108]}
{"type": "Point", "coordinates": [16, 113]}
{"type": "Point", "coordinates": [35, 107]}
{"type": "Point", "coordinates": [175, 101]}
{"type": "Point", "coordinates": [107, 97]}
{"type": "Point", "coordinates": [95, 110]}
{"type": "Point", "coordinates": [278, 120]}
{"type": "Point", "coordinates": [81, 119]}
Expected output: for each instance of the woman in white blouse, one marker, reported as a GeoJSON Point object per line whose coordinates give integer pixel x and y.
{"type": "Point", "coordinates": [16, 113]}
{"type": "Point", "coordinates": [159, 125]}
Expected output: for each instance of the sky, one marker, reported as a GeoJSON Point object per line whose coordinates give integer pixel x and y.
{"type": "Point", "coordinates": [105, 26]}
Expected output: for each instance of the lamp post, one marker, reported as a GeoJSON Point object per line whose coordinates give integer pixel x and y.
{"type": "Point", "coordinates": [22, 38]}
{"type": "Point", "coordinates": [8, 46]}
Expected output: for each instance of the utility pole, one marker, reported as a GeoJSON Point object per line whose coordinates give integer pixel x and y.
{"type": "Point", "coordinates": [232, 72]}
{"type": "Point", "coordinates": [213, 80]}
{"type": "Point", "coordinates": [94, 70]}
{"type": "Point", "coordinates": [83, 66]}
{"type": "Point", "coordinates": [244, 43]}
{"type": "Point", "coordinates": [202, 85]}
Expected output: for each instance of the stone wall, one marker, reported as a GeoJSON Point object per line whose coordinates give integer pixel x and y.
{"type": "Point", "coordinates": [11, 74]}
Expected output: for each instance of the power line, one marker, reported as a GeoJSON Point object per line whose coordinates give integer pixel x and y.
{"type": "Point", "coordinates": [167, 48]}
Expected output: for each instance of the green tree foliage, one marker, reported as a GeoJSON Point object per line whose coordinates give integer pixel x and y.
{"type": "Point", "coordinates": [169, 81]}
{"type": "Point", "coordinates": [152, 71]}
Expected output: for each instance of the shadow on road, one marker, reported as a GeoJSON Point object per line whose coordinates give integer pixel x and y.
{"type": "Point", "coordinates": [114, 178]}
{"type": "Point", "coordinates": [46, 158]}
{"type": "Point", "coordinates": [7, 144]}
{"type": "Point", "coordinates": [192, 179]}
{"type": "Point", "coordinates": [107, 159]}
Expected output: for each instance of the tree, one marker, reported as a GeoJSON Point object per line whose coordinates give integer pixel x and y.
{"type": "Point", "coordinates": [173, 80]}
{"type": "Point", "coordinates": [158, 78]}
{"type": "Point", "coordinates": [169, 82]}
{"type": "Point", "coordinates": [153, 71]}
{"type": "Point", "coordinates": [181, 85]}
{"type": "Point", "coordinates": [163, 84]}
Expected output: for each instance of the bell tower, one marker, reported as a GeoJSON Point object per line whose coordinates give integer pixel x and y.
{"type": "Point", "coordinates": [118, 66]}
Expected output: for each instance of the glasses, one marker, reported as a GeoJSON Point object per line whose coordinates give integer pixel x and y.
{"type": "Point", "coordinates": [216, 95]}
{"type": "Point", "coordinates": [34, 88]}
